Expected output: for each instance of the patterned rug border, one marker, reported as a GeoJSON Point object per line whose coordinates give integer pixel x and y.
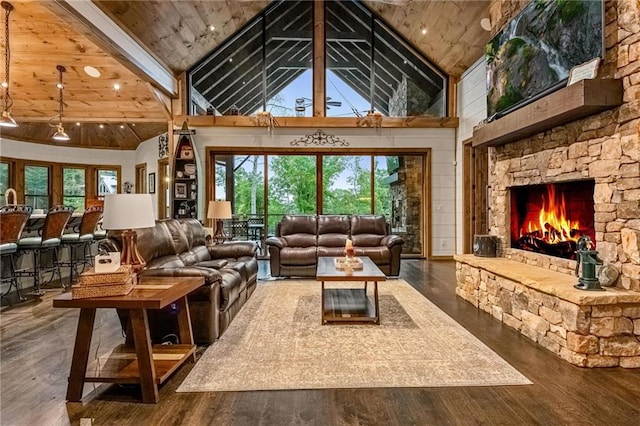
{"type": "Point", "coordinates": [273, 345]}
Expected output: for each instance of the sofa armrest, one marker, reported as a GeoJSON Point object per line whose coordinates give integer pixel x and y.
{"type": "Point", "coordinates": [233, 250]}
{"type": "Point", "coordinates": [276, 242]}
{"type": "Point", "coordinates": [211, 276]}
{"type": "Point", "coordinates": [392, 240]}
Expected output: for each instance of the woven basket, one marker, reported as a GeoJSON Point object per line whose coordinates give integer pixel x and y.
{"type": "Point", "coordinates": [119, 276]}
{"type": "Point", "coordinates": [80, 291]}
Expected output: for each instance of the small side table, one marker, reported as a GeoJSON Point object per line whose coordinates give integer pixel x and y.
{"type": "Point", "coordinates": [142, 364]}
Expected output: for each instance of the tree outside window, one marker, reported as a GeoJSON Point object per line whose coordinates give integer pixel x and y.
{"type": "Point", "coordinates": [74, 188]}
{"type": "Point", "coordinates": [4, 182]}
{"type": "Point", "coordinates": [36, 187]}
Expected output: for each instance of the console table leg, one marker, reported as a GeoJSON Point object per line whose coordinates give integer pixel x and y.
{"type": "Point", "coordinates": [80, 354]}
{"type": "Point", "coordinates": [146, 369]}
{"type": "Point", "coordinates": [184, 324]}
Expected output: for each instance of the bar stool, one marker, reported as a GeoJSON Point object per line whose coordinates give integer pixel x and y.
{"type": "Point", "coordinates": [13, 218]}
{"type": "Point", "coordinates": [45, 247]}
{"type": "Point", "coordinates": [81, 240]}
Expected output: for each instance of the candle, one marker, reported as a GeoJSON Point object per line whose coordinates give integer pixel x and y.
{"type": "Point", "coordinates": [348, 248]}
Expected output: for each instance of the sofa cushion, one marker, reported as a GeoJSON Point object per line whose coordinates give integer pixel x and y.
{"type": "Point", "coordinates": [231, 288]}
{"type": "Point", "coordinates": [368, 224]}
{"type": "Point", "coordinates": [333, 230]}
{"type": "Point", "coordinates": [330, 251]}
{"type": "Point", "coordinates": [380, 255]}
{"type": "Point", "coordinates": [178, 236]}
{"type": "Point", "coordinates": [298, 224]}
{"type": "Point", "coordinates": [153, 242]}
{"type": "Point", "coordinates": [169, 261]}
{"type": "Point", "coordinates": [298, 256]}
{"type": "Point", "coordinates": [194, 231]}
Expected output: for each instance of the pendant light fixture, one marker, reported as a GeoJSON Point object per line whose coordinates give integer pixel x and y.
{"type": "Point", "coordinates": [6, 120]}
{"type": "Point", "coordinates": [60, 134]}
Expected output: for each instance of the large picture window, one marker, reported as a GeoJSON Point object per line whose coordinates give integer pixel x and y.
{"type": "Point", "coordinates": [268, 65]}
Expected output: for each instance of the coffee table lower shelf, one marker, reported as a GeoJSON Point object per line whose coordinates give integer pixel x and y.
{"type": "Point", "coordinates": [121, 364]}
{"type": "Point", "coordinates": [348, 305]}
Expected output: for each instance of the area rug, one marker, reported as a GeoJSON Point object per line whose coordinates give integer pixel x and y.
{"type": "Point", "coordinates": [277, 342]}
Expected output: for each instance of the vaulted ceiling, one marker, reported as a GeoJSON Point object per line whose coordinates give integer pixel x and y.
{"type": "Point", "coordinates": [178, 34]}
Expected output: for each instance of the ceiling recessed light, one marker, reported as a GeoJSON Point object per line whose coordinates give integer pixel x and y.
{"type": "Point", "coordinates": [230, 59]}
{"type": "Point", "coordinates": [116, 86]}
{"type": "Point", "coordinates": [485, 23]}
{"type": "Point", "coordinates": [5, 84]}
{"type": "Point", "coordinates": [122, 126]}
{"type": "Point", "coordinates": [78, 123]}
{"type": "Point", "coordinates": [101, 126]}
{"type": "Point", "coordinates": [92, 72]}
{"type": "Point", "coordinates": [423, 31]}
{"type": "Point", "coordinates": [212, 28]}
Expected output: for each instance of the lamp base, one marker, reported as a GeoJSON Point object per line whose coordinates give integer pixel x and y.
{"type": "Point", "coordinates": [219, 236]}
{"type": "Point", "coordinates": [130, 254]}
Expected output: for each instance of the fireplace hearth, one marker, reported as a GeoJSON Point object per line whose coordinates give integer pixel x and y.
{"type": "Point", "coordinates": [550, 218]}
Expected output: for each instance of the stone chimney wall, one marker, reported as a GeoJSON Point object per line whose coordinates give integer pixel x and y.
{"type": "Point", "coordinates": [604, 147]}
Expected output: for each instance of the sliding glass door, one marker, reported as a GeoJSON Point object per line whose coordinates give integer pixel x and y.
{"type": "Point", "coordinates": [264, 187]}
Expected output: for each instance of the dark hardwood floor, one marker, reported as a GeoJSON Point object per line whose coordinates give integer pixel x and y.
{"type": "Point", "coordinates": [37, 340]}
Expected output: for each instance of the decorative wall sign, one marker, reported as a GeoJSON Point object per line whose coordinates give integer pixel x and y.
{"type": "Point", "coordinates": [319, 138]}
{"type": "Point", "coordinates": [163, 145]}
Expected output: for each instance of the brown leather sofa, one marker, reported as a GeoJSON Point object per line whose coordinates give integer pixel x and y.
{"type": "Point", "coordinates": [176, 247]}
{"type": "Point", "coordinates": [300, 239]}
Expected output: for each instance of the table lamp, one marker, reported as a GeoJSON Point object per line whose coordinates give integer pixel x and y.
{"type": "Point", "coordinates": [127, 212]}
{"type": "Point", "coordinates": [219, 210]}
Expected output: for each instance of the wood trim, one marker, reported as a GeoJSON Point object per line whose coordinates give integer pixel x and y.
{"type": "Point", "coordinates": [415, 122]}
{"type": "Point", "coordinates": [426, 204]}
{"type": "Point", "coordinates": [570, 103]}
{"type": "Point", "coordinates": [319, 80]}
{"type": "Point", "coordinates": [141, 179]}
{"type": "Point", "coordinates": [161, 187]}
{"type": "Point", "coordinates": [441, 258]}
{"type": "Point", "coordinates": [467, 196]}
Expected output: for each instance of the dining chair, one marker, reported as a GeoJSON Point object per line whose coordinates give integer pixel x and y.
{"type": "Point", "coordinates": [45, 247]}
{"type": "Point", "coordinates": [80, 241]}
{"type": "Point", "coordinates": [13, 219]}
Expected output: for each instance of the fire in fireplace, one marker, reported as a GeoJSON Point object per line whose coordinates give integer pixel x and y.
{"type": "Point", "coordinates": [550, 218]}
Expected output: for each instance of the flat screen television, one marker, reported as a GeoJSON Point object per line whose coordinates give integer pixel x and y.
{"type": "Point", "coordinates": [533, 54]}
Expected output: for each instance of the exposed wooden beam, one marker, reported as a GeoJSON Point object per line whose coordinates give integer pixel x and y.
{"type": "Point", "coordinates": [319, 81]}
{"type": "Point", "coordinates": [112, 38]}
{"type": "Point", "coordinates": [419, 122]}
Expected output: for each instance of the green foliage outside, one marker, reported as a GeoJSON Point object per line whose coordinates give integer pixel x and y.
{"type": "Point", "coordinates": [292, 186]}
{"type": "Point", "coordinates": [4, 182]}
{"type": "Point", "coordinates": [36, 186]}
{"type": "Point", "coordinates": [74, 188]}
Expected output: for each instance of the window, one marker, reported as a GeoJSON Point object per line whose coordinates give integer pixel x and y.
{"type": "Point", "coordinates": [107, 182]}
{"type": "Point", "coordinates": [5, 182]}
{"type": "Point", "coordinates": [346, 182]}
{"type": "Point", "coordinates": [73, 187]}
{"type": "Point", "coordinates": [268, 65]}
{"type": "Point", "coordinates": [36, 186]}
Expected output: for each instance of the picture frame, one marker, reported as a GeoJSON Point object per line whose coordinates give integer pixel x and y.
{"type": "Point", "coordinates": [152, 183]}
{"type": "Point", "coordinates": [180, 190]}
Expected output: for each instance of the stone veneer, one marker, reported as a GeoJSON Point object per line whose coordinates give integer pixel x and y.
{"type": "Point", "coordinates": [603, 147]}
{"type": "Point", "coordinates": [585, 328]}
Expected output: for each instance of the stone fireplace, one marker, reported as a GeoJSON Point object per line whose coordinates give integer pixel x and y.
{"type": "Point", "coordinates": [532, 291]}
{"type": "Point", "coordinates": [549, 219]}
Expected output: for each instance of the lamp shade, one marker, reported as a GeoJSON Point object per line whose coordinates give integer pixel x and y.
{"type": "Point", "coordinates": [128, 211]}
{"type": "Point", "coordinates": [219, 210]}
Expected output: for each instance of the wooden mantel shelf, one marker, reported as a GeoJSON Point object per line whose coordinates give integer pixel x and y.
{"type": "Point", "coordinates": [570, 103]}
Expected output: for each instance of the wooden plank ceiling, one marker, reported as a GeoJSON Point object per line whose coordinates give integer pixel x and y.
{"type": "Point", "coordinates": [179, 34]}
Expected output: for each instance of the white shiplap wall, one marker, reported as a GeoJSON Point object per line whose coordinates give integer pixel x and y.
{"type": "Point", "coordinates": [472, 108]}
{"type": "Point", "coordinates": [441, 142]}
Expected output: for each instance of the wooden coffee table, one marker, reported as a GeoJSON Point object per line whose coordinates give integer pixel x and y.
{"type": "Point", "coordinates": [349, 304]}
{"type": "Point", "coordinates": [143, 363]}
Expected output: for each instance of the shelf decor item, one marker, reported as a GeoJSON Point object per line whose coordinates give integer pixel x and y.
{"type": "Point", "coordinates": [101, 284]}
{"type": "Point", "coordinates": [180, 190]}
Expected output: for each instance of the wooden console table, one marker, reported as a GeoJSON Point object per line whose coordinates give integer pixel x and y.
{"type": "Point", "coordinates": [142, 364]}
